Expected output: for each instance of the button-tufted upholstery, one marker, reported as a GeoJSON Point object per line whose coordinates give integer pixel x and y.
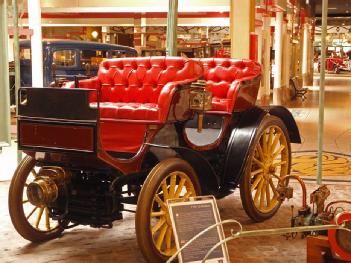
{"type": "Point", "coordinates": [140, 88]}
{"type": "Point", "coordinates": [135, 92]}
{"type": "Point", "coordinates": [224, 78]}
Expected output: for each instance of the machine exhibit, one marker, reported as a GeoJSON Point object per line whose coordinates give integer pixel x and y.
{"type": "Point", "coordinates": [175, 131]}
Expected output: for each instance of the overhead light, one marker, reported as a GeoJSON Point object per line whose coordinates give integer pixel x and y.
{"type": "Point", "coordinates": [332, 8]}
{"type": "Point", "coordinates": [94, 34]}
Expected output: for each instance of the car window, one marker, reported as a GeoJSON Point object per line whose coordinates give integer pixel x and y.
{"type": "Point", "coordinates": [92, 57]}
{"type": "Point", "coordinates": [64, 58]}
{"type": "Point", "coordinates": [25, 53]}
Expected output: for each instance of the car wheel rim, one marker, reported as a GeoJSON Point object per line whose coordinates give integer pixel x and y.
{"type": "Point", "coordinates": [175, 185]}
{"type": "Point", "coordinates": [270, 161]}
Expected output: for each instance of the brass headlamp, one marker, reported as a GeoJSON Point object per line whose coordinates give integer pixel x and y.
{"type": "Point", "coordinates": [200, 100]}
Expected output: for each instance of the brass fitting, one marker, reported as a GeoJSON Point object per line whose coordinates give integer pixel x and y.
{"type": "Point", "coordinates": [200, 100]}
{"type": "Point", "coordinates": [44, 189]}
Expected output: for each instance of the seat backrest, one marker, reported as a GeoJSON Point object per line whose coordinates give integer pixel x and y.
{"type": "Point", "coordinates": [220, 73]}
{"type": "Point", "coordinates": [141, 79]}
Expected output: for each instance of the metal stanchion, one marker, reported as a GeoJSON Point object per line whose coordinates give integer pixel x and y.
{"type": "Point", "coordinates": [172, 22]}
{"type": "Point", "coordinates": [5, 138]}
{"type": "Point", "coordinates": [322, 93]}
{"type": "Point", "coordinates": [16, 52]}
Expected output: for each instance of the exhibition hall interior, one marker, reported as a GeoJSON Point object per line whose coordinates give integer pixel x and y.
{"type": "Point", "coordinates": [175, 131]}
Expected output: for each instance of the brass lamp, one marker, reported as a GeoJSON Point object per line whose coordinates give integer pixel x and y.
{"type": "Point", "coordinates": [200, 100]}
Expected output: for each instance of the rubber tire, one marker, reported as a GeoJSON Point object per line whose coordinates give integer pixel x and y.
{"type": "Point", "coordinates": [245, 191]}
{"type": "Point", "coordinates": [17, 215]}
{"type": "Point", "coordinates": [148, 191]}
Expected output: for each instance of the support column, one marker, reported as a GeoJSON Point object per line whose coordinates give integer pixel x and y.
{"type": "Point", "coordinates": [5, 138]}
{"type": "Point", "coordinates": [285, 60]}
{"type": "Point", "coordinates": [264, 95]}
{"type": "Point", "coordinates": [278, 45]}
{"type": "Point", "coordinates": [34, 22]}
{"type": "Point", "coordinates": [143, 31]}
{"type": "Point", "coordinates": [137, 34]}
{"type": "Point", "coordinates": [242, 22]}
{"type": "Point", "coordinates": [172, 23]}
{"type": "Point", "coordinates": [305, 56]}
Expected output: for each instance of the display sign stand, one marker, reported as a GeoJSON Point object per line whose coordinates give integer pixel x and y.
{"type": "Point", "coordinates": [191, 216]}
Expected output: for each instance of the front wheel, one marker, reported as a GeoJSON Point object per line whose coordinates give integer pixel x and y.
{"type": "Point", "coordinates": [170, 179]}
{"type": "Point", "coordinates": [268, 160]}
{"type": "Point", "coordinates": [32, 222]}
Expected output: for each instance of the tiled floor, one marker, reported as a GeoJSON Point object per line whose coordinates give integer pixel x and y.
{"type": "Point", "coordinates": [84, 244]}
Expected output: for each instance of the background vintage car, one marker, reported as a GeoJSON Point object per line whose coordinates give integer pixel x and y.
{"type": "Point", "coordinates": [65, 59]}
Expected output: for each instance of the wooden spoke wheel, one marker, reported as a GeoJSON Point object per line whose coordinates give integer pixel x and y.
{"type": "Point", "coordinates": [31, 222]}
{"type": "Point", "coordinates": [170, 179]}
{"type": "Point", "coordinates": [269, 159]}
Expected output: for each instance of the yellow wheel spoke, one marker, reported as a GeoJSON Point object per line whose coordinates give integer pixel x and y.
{"type": "Point", "coordinates": [256, 182]}
{"type": "Point", "coordinates": [260, 151]}
{"type": "Point", "coordinates": [165, 190]}
{"type": "Point", "coordinates": [160, 202]}
{"type": "Point", "coordinates": [258, 171]}
{"type": "Point", "coordinates": [268, 195]}
{"type": "Point", "coordinates": [158, 214]}
{"type": "Point", "coordinates": [187, 195]}
{"type": "Point", "coordinates": [180, 187]}
{"type": "Point", "coordinates": [262, 194]}
{"type": "Point", "coordinates": [161, 236]}
{"type": "Point", "coordinates": [171, 190]}
{"type": "Point", "coordinates": [264, 143]}
{"type": "Point", "coordinates": [259, 163]}
{"type": "Point", "coordinates": [281, 148]}
{"type": "Point", "coordinates": [47, 219]}
{"type": "Point", "coordinates": [279, 163]}
{"type": "Point", "coordinates": [275, 142]}
{"type": "Point", "coordinates": [158, 225]}
{"type": "Point", "coordinates": [34, 173]}
{"type": "Point", "coordinates": [270, 139]}
{"type": "Point", "coordinates": [169, 238]}
{"type": "Point", "coordinates": [258, 191]}
{"type": "Point", "coordinates": [39, 217]}
{"type": "Point", "coordinates": [272, 186]}
{"type": "Point", "coordinates": [32, 212]}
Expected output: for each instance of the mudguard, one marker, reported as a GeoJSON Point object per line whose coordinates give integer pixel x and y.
{"type": "Point", "coordinates": [208, 179]}
{"type": "Point", "coordinates": [241, 138]}
{"type": "Point", "coordinates": [285, 115]}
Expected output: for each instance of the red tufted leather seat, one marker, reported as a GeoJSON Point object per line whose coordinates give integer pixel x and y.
{"type": "Point", "coordinates": [225, 79]}
{"type": "Point", "coordinates": [135, 92]}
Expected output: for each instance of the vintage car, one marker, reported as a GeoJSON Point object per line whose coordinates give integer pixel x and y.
{"type": "Point", "coordinates": [143, 131]}
{"type": "Point", "coordinates": [335, 65]}
{"type": "Point", "coordinates": [65, 59]}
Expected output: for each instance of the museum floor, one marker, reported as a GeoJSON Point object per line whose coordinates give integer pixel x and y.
{"type": "Point", "coordinates": [84, 244]}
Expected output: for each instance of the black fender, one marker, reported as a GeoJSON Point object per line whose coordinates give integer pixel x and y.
{"type": "Point", "coordinates": [241, 139]}
{"type": "Point", "coordinates": [285, 115]}
{"type": "Point", "coordinates": [208, 179]}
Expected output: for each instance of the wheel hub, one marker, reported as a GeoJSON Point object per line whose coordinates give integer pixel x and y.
{"type": "Point", "coordinates": [42, 191]}
{"type": "Point", "coordinates": [45, 187]}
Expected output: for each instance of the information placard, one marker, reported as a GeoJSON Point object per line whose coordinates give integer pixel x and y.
{"type": "Point", "coordinates": [190, 218]}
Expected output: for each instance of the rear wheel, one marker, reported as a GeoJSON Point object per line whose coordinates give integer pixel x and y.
{"type": "Point", "coordinates": [31, 222]}
{"type": "Point", "coordinates": [269, 159]}
{"type": "Point", "coordinates": [171, 178]}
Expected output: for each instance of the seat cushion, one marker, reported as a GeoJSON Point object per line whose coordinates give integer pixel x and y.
{"type": "Point", "coordinates": [223, 76]}
{"type": "Point", "coordinates": [131, 110]}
